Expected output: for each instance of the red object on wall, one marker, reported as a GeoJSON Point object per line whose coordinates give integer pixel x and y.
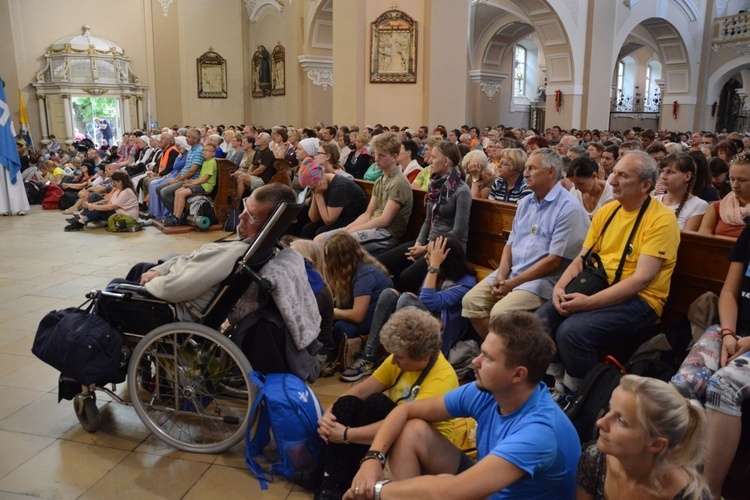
{"type": "Point", "coordinates": [675, 108]}
{"type": "Point", "coordinates": [558, 100]}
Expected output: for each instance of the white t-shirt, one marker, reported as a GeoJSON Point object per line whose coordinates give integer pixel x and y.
{"type": "Point", "coordinates": [604, 198]}
{"type": "Point", "coordinates": [694, 206]}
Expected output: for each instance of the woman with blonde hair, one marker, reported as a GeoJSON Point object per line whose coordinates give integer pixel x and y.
{"type": "Point", "coordinates": [481, 172]}
{"type": "Point", "coordinates": [650, 446]}
{"type": "Point", "coordinates": [315, 266]}
{"type": "Point", "coordinates": [356, 279]}
{"type": "Point", "coordinates": [510, 184]}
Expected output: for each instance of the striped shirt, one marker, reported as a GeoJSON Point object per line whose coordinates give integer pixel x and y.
{"type": "Point", "coordinates": [499, 191]}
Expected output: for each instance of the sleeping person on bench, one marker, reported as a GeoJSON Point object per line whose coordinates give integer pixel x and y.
{"type": "Point", "coordinates": [190, 281]}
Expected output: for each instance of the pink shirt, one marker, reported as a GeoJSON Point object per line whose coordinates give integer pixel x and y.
{"type": "Point", "coordinates": [126, 202]}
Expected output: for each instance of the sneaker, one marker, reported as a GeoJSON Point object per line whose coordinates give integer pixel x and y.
{"type": "Point", "coordinates": [362, 367]}
{"type": "Point", "coordinates": [561, 395]}
{"type": "Point", "coordinates": [74, 226]}
{"type": "Point", "coordinates": [71, 220]}
{"type": "Point", "coordinates": [329, 490]}
{"type": "Point", "coordinates": [171, 221]}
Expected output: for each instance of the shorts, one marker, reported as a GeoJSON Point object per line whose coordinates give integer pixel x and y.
{"type": "Point", "coordinates": [465, 464]}
{"type": "Point", "coordinates": [197, 189]}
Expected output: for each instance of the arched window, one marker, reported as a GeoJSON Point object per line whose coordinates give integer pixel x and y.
{"type": "Point", "coordinates": [519, 71]}
{"type": "Point", "coordinates": [620, 76]}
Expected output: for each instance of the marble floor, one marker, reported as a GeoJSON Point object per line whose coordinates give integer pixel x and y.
{"type": "Point", "coordinates": [44, 452]}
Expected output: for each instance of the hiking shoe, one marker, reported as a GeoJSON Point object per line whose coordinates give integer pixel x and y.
{"type": "Point", "coordinates": [74, 226]}
{"type": "Point", "coordinates": [171, 221]}
{"type": "Point", "coordinates": [362, 367]}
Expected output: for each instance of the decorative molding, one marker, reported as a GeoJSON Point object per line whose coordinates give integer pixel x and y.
{"type": "Point", "coordinates": [126, 96]}
{"type": "Point", "coordinates": [721, 8]}
{"type": "Point", "coordinates": [41, 97]}
{"type": "Point", "coordinates": [322, 24]}
{"type": "Point", "coordinates": [254, 7]}
{"type": "Point", "coordinates": [65, 96]}
{"type": "Point", "coordinates": [319, 70]}
{"type": "Point", "coordinates": [489, 82]}
{"type": "Point", "coordinates": [165, 5]}
{"type": "Point", "coordinates": [96, 91]}
{"type": "Point", "coordinates": [490, 89]}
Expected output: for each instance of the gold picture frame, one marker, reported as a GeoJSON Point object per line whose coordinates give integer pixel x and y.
{"type": "Point", "coordinates": [278, 71]}
{"type": "Point", "coordinates": [393, 54]}
{"type": "Point", "coordinates": [212, 76]}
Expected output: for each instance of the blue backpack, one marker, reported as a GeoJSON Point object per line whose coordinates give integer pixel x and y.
{"type": "Point", "coordinates": [290, 409]}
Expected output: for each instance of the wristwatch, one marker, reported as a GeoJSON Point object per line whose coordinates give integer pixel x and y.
{"type": "Point", "coordinates": [433, 270]}
{"type": "Point", "coordinates": [379, 488]}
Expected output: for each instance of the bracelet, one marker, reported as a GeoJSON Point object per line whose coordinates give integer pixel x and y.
{"type": "Point", "coordinates": [374, 455]}
{"type": "Point", "coordinates": [379, 488]}
{"type": "Point", "coordinates": [346, 439]}
{"type": "Point", "coordinates": [726, 331]}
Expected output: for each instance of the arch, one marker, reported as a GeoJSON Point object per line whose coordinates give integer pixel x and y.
{"type": "Point", "coordinates": [721, 76]}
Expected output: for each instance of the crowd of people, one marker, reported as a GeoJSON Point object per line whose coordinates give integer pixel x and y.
{"type": "Point", "coordinates": [620, 199]}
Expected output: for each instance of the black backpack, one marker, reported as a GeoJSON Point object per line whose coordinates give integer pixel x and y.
{"type": "Point", "coordinates": [591, 400]}
{"type": "Point", "coordinates": [33, 193]}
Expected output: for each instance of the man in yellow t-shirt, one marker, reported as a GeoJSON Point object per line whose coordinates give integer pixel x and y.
{"type": "Point", "coordinates": [348, 427]}
{"type": "Point", "coordinates": [582, 324]}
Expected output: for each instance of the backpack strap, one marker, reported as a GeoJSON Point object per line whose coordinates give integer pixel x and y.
{"type": "Point", "coordinates": [254, 446]}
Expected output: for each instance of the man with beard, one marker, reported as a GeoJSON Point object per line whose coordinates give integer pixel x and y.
{"type": "Point", "coordinates": [526, 446]}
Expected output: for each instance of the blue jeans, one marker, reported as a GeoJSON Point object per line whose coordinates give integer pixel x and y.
{"type": "Point", "coordinates": [388, 303]}
{"type": "Point", "coordinates": [580, 335]}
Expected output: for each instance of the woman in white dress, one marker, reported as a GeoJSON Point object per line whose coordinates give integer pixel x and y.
{"type": "Point", "coordinates": [12, 196]}
{"type": "Point", "coordinates": [677, 175]}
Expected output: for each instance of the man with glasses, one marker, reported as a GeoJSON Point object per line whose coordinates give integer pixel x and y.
{"type": "Point", "coordinates": [190, 281]}
{"type": "Point", "coordinates": [191, 170]}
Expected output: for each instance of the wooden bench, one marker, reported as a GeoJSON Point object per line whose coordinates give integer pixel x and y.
{"type": "Point", "coordinates": [225, 188]}
{"type": "Point", "coordinates": [701, 260]}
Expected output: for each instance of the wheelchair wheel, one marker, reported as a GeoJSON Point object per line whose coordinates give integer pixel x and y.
{"type": "Point", "coordinates": [87, 412]}
{"type": "Point", "coordinates": [188, 384]}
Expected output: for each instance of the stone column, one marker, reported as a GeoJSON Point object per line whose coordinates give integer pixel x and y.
{"type": "Point", "coordinates": [127, 124]}
{"type": "Point", "coordinates": [138, 111]}
{"type": "Point", "coordinates": [43, 116]}
{"type": "Point", "coordinates": [69, 135]}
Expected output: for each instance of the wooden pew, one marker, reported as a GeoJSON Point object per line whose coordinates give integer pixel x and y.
{"type": "Point", "coordinates": [701, 260]}
{"type": "Point", "coordinates": [226, 188]}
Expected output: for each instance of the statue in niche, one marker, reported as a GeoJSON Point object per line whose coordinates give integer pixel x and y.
{"type": "Point", "coordinates": [261, 72]}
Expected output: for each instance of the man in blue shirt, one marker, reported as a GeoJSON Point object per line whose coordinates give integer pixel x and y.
{"type": "Point", "coordinates": [548, 232]}
{"type": "Point", "coordinates": [526, 446]}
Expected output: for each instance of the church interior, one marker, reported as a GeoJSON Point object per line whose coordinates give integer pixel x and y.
{"type": "Point", "coordinates": [679, 65]}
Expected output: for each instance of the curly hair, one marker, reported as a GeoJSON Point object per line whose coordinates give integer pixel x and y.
{"type": "Point", "coordinates": [343, 255]}
{"type": "Point", "coordinates": [412, 332]}
{"type": "Point", "coordinates": [387, 142]}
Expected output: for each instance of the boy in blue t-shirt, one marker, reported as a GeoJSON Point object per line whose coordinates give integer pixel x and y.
{"type": "Point", "coordinates": [526, 446]}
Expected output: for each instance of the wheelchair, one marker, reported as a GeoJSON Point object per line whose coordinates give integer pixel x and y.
{"type": "Point", "coordinates": [187, 382]}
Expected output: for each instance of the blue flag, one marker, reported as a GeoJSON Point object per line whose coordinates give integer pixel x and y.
{"type": "Point", "coordinates": [8, 151]}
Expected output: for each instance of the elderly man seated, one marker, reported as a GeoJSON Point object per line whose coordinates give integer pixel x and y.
{"type": "Point", "coordinates": [190, 281]}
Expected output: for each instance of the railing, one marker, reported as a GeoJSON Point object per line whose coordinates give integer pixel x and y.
{"type": "Point", "coordinates": [732, 31]}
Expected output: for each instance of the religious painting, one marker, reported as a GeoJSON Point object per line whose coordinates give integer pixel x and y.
{"type": "Point", "coordinates": [212, 75]}
{"type": "Point", "coordinates": [393, 56]}
{"type": "Point", "coordinates": [261, 72]}
{"type": "Point", "coordinates": [278, 57]}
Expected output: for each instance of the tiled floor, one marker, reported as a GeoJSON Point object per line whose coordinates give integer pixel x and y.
{"type": "Point", "coordinates": [44, 452]}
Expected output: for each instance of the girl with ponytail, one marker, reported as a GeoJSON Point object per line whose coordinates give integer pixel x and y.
{"type": "Point", "coordinates": [650, 446]}
{"type": "Point", "coordinates": [677, 176]}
